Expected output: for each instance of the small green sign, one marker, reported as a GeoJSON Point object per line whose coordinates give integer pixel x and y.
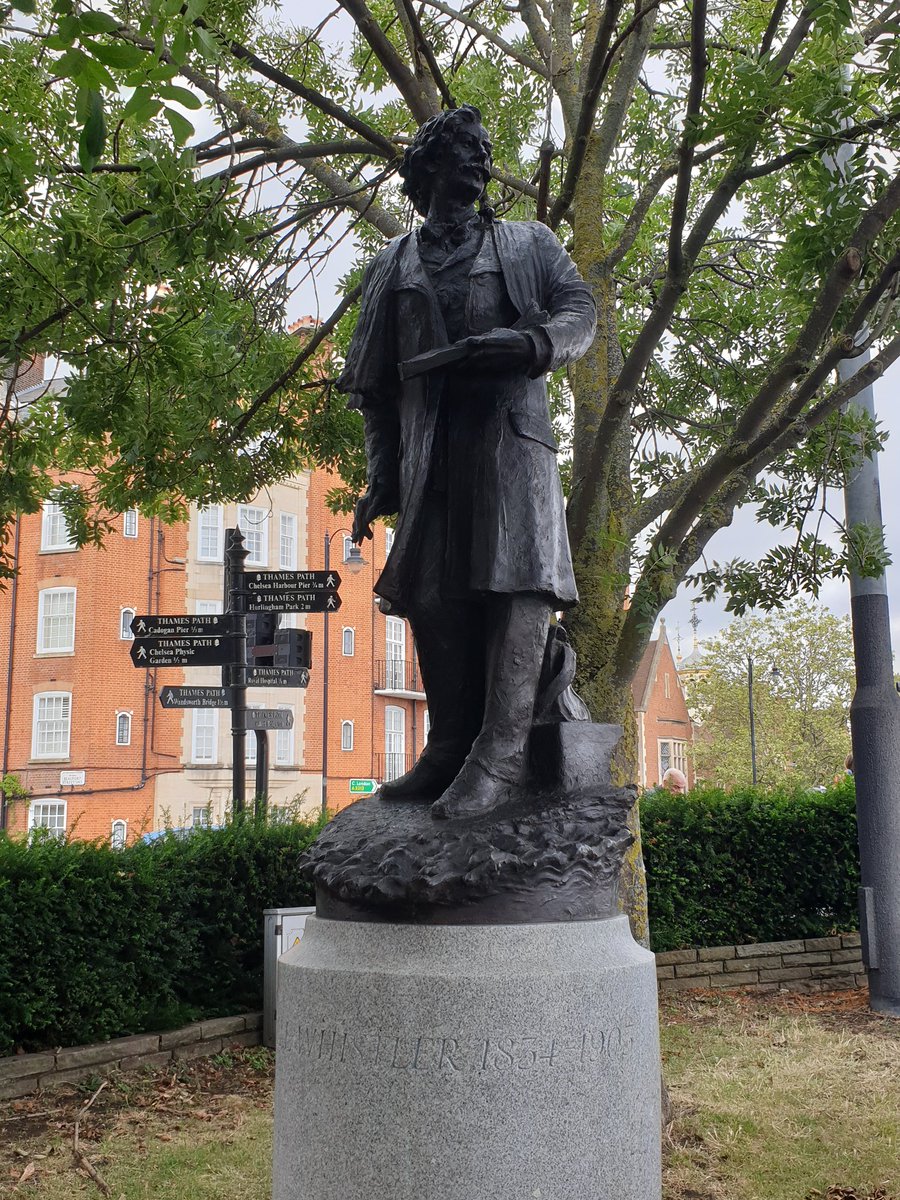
{"type": "Point", "coordinates": [362, 787]}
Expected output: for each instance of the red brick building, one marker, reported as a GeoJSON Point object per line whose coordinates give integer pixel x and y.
{"type": "Point", "coordinates": [665, 732]}
{"type": "Point", "coordinates": [81, 729]}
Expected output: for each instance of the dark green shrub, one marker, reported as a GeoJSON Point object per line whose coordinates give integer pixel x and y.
{"type": "Point", "coordinates": [95, 943]}
{"type": "Point", "coordinates": [749, 866]}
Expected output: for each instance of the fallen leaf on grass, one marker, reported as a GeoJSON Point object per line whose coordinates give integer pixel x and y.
{"type": "Point", "coordinates": [27, 1173]}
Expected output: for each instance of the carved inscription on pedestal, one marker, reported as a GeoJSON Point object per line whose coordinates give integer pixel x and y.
{"type": "Point", "coordinates": [335, 1047]}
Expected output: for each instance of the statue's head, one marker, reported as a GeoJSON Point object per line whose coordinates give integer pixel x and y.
{"type": "Point", "coordinates": [451, 151]}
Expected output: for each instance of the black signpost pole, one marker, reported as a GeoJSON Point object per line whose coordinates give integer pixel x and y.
{"type": "Point", "coordinates": [262, 771]}
{"type": "Point", "coordinates": [235, 555]}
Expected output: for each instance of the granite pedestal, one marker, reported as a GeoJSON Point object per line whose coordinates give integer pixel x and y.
{"type": "Point", "coordinates": [467, 1062]}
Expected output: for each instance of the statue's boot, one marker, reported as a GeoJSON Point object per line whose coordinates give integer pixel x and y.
{"type": "Point", "coordinates": [517, 635]}
{"type": "Point", "coordinates": [432, 774]}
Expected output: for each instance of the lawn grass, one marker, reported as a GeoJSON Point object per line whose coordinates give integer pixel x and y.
{"type": "Point", "coordinates": [773, 1100]}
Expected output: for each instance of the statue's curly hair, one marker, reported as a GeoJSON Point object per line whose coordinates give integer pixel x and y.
{"type": "Point", "coordinates": [427, 148]}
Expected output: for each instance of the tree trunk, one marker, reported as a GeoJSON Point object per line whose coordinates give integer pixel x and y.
{"type": "Point", "coordinates": [602, 557]}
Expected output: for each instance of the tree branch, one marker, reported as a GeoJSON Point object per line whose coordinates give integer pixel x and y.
{"type": "Point", "coordinates": [424, 48]}
{"type": "Point", "coordinates": [403, 78]}
{"type": "Point", "coordinates": [323, 332]}
{"type": "Point", "coordinates": [379, 143]}
{"type": "Point", "coordinates": [685, 153]}
{"type": "Point", "coordinates": [524, 60]}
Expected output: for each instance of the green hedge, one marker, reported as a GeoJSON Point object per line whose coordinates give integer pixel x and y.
{"type": "Point", "coordinates": [749, 866]}
{"type": "Point", "coordinates": [96, 943]}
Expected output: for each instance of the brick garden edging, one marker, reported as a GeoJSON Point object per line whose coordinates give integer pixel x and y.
{"type": "Point", "coordinates": [807, 965]}
{"type": "Point", "coordinates": [24, 1073]}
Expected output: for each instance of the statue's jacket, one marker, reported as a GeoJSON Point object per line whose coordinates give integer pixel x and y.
{"type": "Point", "coordinates": [491, 431]}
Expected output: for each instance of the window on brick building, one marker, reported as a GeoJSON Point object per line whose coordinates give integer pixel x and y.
{"type": "Point", "coordinates": [118, 835]}
{"type": "Point", "coordinates": [287, 542]}
{"type": "Point", "coordinates": [284, 742]}
{"type": "Point", "coordinates": [672, 753]}
{"type": "Point", "coordinates": [123, 729]}
{"type": "Point", "coordinates": [51, 725]}
{"type": "Point", "coordinates": [126, 616]}
{"type": "Point", "coordinates": [54, 530]}
{"type": "Point", "coordinates": [426, 727]}
{"type": "Point", "coordinates": [130, 523]}
{"type": "Point", "coordinates": [348, 643]}
{"type": "Point", "coordinates": [56, 621]}
{"type": "Point", "coordinates": [394, 742]}
{"type": "Point", "coordinates": [204, 735]}
{"type": "Point", "coordinates": [388, 540]}
{"type": "Point", "coordinates": [210, 533]}
{"type": "Point", "coordinates": [346, 735]}
{"type": "Point", "coordinates": [209, 607]}
{"type": "Point", "coordinates": [254, 525]}
{"type": "Point", "coordinates": [395, 653]}
{"type": "Point", "coordinates": [49, 815]}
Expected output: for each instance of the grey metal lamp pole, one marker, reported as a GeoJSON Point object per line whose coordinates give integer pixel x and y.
{"type": "Point", "coordinates": [752, 719]}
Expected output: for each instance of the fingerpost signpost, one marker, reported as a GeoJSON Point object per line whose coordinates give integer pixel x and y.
{"type": "Point", "coordinates": [279, 658]}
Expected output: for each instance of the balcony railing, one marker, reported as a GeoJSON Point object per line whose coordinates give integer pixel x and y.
{"type": "Point", "coordinates": [397, 675]}
{"type": "Point", "coordinates": [392, 765]}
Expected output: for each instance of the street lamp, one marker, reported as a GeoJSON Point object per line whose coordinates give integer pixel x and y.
{"type": "Point", "coordinates": [354, 563]}
{"type": "Point", "coordinates": [772, 671]}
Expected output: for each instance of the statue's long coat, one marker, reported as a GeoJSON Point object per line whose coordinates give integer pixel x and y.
{"type": "Point", "coordinates": [506, 513]}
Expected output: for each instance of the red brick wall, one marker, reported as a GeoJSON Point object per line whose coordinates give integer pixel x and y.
{"type": "Point", "coordinates": [127, 572]}
{"type": "Point", "coordinates": [666, 716]}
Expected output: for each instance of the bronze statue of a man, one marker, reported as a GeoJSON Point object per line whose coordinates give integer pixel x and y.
{"type": "Point", "coordinates": [460, 446]}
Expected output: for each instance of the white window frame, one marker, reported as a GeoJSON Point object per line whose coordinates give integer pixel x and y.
{"type": "Point", "coordinates": [123, 721]}
{"type": "Point", "coordinates": [57, 828]}
{"type": "Point", "coordinates": [394, 743]}
{"type": "Point", "coordinates": [55, 536]}
{"type": "Point", "coordinates": [348, 638]}
{"type": "Point", "coordinates": [216, 527]}
{"type": "Point", "coordinates": [130, 523]}
{"type": "Point", "coordinates": [253, 523]}
{"type": "Point", "coordinates": [677, 755]}
{"type": "Point", "coordinates": [118, 834]}
{"type": "Point", "coordinates": [284, 742]}
{"type": "Point", "coordinates": [426, 727]}
{"type": "Point", "coordinates": [250, 754]}
{"type": "Point", "coordinates": [287, 541]}
{"type": "Point", "coordinates": [347, 733]}
{"type": "Point", "coordinates": [126, 616]}
{"type": "Point", "coordinates": [395, 654]}
{"type": "Point", "coordinates": [201, 817]}
{"type": "Point", "coordinates": [209, 607]}
{"type": "Point", "coordinates": [388, 539]}
{"type": "Point", "coordinates": [203, 721]}
{"type": "Point", "coordinates": [66, 697]}
{"type": "Point", "coordinates": [43, 595]}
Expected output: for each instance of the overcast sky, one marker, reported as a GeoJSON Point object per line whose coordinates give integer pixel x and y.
{"type": "Point", "coordinates": [745, 538]}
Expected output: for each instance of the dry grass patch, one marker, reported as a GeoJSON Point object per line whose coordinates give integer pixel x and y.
{"type": "Point", "coordinates": [781, 1100]}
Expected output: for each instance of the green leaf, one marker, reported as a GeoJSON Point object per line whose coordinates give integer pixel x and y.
{"type": "Point", "coordinates": [142, 107]}
{"type": "Point", "coordinates": [26, 6]}
{"type": "Point", "coordinates": [97, 22]}
{"type": "Point", "coordinates": [86, 71]}
{"type": "Point", "coordinates": [119, 55]}
{"type": "Point", "coordinates": [93, 135]}
{"type": "Point", "coordinates": [180, 95]}
{"type": "Point", "coordinates": [181, 126]}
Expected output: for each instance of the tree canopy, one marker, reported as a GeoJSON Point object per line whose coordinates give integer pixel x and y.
{"type": "Point", "coordinates": [802, 687]}
{"type": "Point", "coordinates": [725, 176]}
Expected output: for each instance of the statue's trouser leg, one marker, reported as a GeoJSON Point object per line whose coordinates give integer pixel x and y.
{"type": "Point", "coordinates": [450, 644]}
{"type": "Point", "coordinates": [517, 628]}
